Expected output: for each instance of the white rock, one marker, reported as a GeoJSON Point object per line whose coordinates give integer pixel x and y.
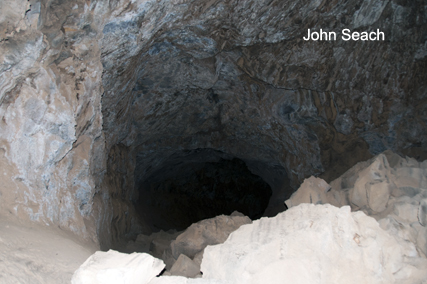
{"type": "Point", "coordinates": [118, 268]}
{"type": "Point", "coordinates": [307, 244]}
{"type": "Point", "coordinates": [388, 188]}
{"type": "Point", "coordinates": [403, 233]}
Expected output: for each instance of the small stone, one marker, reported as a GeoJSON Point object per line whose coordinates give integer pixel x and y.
{"type": "Point", "coordinates": [184, 266]}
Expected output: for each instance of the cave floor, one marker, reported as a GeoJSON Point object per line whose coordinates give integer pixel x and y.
{"type": "Point", "coordinates": [38, 254]}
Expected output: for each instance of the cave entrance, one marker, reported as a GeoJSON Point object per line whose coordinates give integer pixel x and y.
{"type": "Point", "coordinates": [200, 184]}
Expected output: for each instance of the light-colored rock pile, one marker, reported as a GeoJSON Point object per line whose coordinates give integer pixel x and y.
{"type": "Point", "coordinates": [388, 187]}
{"type": "Point", "coordinates": [306, 244]}
{"type": "Point", "coordinates": [311, 244]}
{"type": "Point", "coordinates": [185, 254]}
{"type": "Point", "coordinates": [322, 243]}
{"type": "Point", "coordinates": [182, 252]}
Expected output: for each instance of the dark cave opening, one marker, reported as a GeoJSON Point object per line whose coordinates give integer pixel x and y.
{"type": "Point", "coordinates": [201, 184]}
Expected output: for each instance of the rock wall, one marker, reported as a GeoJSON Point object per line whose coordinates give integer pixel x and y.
{"type": "Point", "coordinates": [84, 83]}
{"type": "Point", "coordinates": [50, 107]}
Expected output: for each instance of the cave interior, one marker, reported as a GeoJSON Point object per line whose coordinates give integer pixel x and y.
{"type": "Point", "coordinates": [129, 117]}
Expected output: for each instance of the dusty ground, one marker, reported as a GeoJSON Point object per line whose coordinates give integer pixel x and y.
{"type": "Point", "coordinates": [30, 253]}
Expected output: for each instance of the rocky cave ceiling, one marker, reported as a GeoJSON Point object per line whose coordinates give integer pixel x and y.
{"type": "Point", "coordinates": [152, 84]}
{"type": "Point", "coordinates": [237, 77]}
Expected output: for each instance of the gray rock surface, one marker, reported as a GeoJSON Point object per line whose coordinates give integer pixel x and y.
{"type": "Point", "coordinates": [50, 109]}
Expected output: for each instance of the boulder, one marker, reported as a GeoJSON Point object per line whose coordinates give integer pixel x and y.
{"type": "Point", "coordinates": [387, 187]}
{"type": "Point", "coordinates": [312, 190]}
{"type": "Point", "coordinates": [373, 178]}
{"type": "Point", "coordinates": [184, 266]}
{"type": "Point", "coordinates": [161, 241]}
{"type": "Point", "coordinates": [201, 234]}
{"type": "Point", "coordinates": [113, 267]}
{"type": "Point", "coordinates": [311, 244]}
